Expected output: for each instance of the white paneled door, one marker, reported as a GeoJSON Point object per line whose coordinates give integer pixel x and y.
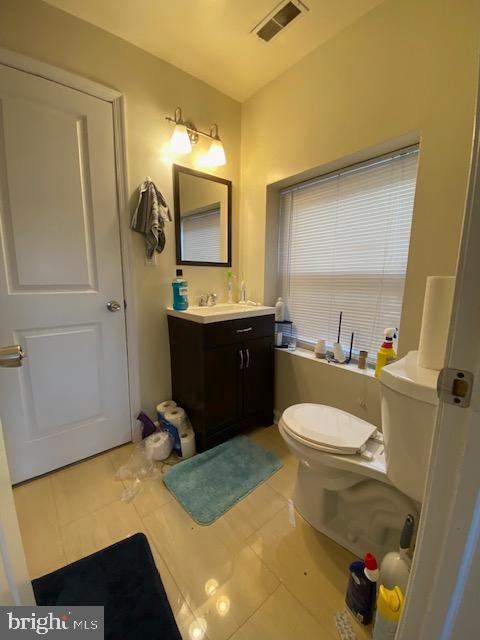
{"type": "Point", "coordinates": [60, 266]}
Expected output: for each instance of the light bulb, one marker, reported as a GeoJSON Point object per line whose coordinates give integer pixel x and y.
{"type": "Point", "coordinates": [216, 154]}
{"type": "Point", "coordinates": [180, 142]}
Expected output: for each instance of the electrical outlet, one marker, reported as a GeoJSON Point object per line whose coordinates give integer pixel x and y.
{"type": "Point", "coordinates": [151, 262]}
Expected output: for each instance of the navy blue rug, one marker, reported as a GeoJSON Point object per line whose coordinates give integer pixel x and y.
{"type": "Point", "coordinates": [210, 483]}
{"type": "Point", "coordinates": [124, 579]}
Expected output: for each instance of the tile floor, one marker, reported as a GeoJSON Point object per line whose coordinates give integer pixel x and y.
{"type": "Point", "coordinates": [260, 571]}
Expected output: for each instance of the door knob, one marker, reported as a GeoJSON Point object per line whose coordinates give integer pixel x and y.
{"type": "Point", "coordinates": [113, 305]}
{"type": "Point", "coordinates": [11, 356]}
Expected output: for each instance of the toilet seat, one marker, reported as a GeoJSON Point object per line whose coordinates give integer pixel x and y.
{"type": "Point", "coordinates": [374, 468]}
{"type": "Point", "coordinates": [326, 428]}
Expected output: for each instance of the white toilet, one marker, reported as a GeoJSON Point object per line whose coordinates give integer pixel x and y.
{"type": "Point", "coordinates": [354, 483]}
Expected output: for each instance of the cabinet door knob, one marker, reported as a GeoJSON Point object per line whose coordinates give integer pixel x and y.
{"type": "Point", "coordinates": [244, 330]}
{"type": "Point", "coordinates": [248, 358]}
{"type": "Point", "coordinates": [241, 358]}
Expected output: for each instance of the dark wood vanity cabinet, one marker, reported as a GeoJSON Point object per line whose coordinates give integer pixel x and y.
{"type": "Point", "coordinates": [222, 375]}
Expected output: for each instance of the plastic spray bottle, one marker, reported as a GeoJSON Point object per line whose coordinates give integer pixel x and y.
{"type": "Point", "coordinates": [386, 353]}
{"type": "Point", "coordinates": [389, 609]}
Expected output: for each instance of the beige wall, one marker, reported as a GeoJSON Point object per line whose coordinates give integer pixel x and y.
{"type": "Point", "coordinates": [153, 89]}
{"type": "Point", "coordinates": [406, 70]}
{"type": "Point", "coordinates": [299, 379]}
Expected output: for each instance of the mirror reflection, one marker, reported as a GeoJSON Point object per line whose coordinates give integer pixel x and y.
{"type": "Point", "coordinates": [202, 217]}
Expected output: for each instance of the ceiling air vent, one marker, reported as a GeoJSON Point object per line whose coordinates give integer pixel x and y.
{"type": "Point", "coordinates": [279, 18]}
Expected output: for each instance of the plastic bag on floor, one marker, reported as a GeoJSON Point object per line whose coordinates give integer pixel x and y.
{"type": "Point", "coordinates": [141, 465]}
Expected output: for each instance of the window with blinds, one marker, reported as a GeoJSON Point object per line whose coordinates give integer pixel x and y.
{"type": "Point", "coordinates": [343, 246]}
{"type": "Point", "coordinates": [200, 234]}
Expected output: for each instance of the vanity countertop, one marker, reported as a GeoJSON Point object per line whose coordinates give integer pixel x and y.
{"type": "Point", "coordinates": [220, 312]}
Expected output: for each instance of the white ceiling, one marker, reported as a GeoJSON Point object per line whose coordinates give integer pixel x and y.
{"type": "Point", "coordinates": [211, 39]}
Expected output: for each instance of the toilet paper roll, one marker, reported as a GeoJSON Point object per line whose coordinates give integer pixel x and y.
{"type": "Point", "coordinates": [437, 308]}
{"type": "Point", "coordinates": [165, 407]}
{"type": "Point", "coordinates": [187, 444]}
{"type": "Point", "coordinates": [159, 446]}
{"type": "Point", "coordinates": [179, 419]}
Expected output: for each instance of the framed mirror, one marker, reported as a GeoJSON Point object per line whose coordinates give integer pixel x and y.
{"type": "Point", "coordinates": [203, 218]}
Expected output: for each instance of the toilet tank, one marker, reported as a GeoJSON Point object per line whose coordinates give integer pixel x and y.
{"type": "Point", "coordinates": [409, 404]}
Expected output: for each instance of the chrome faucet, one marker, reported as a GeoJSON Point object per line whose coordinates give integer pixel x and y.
{"type": "Point", "coordinates": [208, 300]}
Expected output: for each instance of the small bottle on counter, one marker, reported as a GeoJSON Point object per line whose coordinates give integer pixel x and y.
{"type": "Point", "coordinates": [280, 310]}
{"type": "Point", "coordinates": [229, 286]}
{"type": "Point", "coordinates": [180, 292]}
{"type": "Point", "coordinates": [243, 293]}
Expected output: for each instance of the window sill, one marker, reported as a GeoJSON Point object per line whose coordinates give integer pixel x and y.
{"type": "Point", "coordinates": [300, 352]}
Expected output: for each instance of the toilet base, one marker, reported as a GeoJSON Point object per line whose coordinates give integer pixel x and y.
{"type": "Point", "coordinates": [367, 515]}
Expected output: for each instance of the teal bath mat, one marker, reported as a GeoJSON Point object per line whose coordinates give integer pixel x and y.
{"type": "Point", "coordinates": [210, 483]}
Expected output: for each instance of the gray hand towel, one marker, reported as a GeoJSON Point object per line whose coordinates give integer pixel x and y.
{"type": "Point", "coordinates": [149, 218]}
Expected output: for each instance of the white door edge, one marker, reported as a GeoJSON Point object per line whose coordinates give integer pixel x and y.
{"type": "Point", "coordinates": [15, 585]}
{"type": "Point", "coordinates": [439, 604]}
{"type": "Point", "coordinates": [61, 76]}
{"type": "Point", "coordinates": [56, 74]}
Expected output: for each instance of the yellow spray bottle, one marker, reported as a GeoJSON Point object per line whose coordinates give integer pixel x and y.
{"type": "Point", "coordinates": [386, 353]}
{"type": "Point", "coordinates": [389, 610]}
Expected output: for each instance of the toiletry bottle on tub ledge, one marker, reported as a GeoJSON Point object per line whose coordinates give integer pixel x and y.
{"type": "Point", "coordinates": [180, 292]}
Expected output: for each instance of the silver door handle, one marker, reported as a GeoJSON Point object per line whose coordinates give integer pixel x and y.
{"type": "Point", "coordinates": [11, 356]}
{"type": "Point", "coordinates": [241, 358]}
{"type": "Point", "coordinates": [244, 330]}
{"type": "Point", "coordinates": [248, 358]}
{"type": "Point", "coordinates": [113, 305]}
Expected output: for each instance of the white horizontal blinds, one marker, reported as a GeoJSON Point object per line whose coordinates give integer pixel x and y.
{"type": "Point", "coordinates": [344, 247]}
{"type": "Point", "coordinates": [201, 236]}
{"type": "Point", "coordinates": [284, 244]}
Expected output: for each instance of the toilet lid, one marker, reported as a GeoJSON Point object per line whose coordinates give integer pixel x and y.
{"type": "Point", "coordinates": [327, 428]}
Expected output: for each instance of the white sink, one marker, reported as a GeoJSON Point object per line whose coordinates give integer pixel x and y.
{"type": "Point", "coordinates": [220, 312]}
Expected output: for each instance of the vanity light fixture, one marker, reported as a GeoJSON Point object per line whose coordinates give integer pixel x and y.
{"type": "Point", "coordinates": [186, 134]}
{"type": "Point", "coordinates": [216, 153]}
{"type": "Point", "coordinates": [181, 140]}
